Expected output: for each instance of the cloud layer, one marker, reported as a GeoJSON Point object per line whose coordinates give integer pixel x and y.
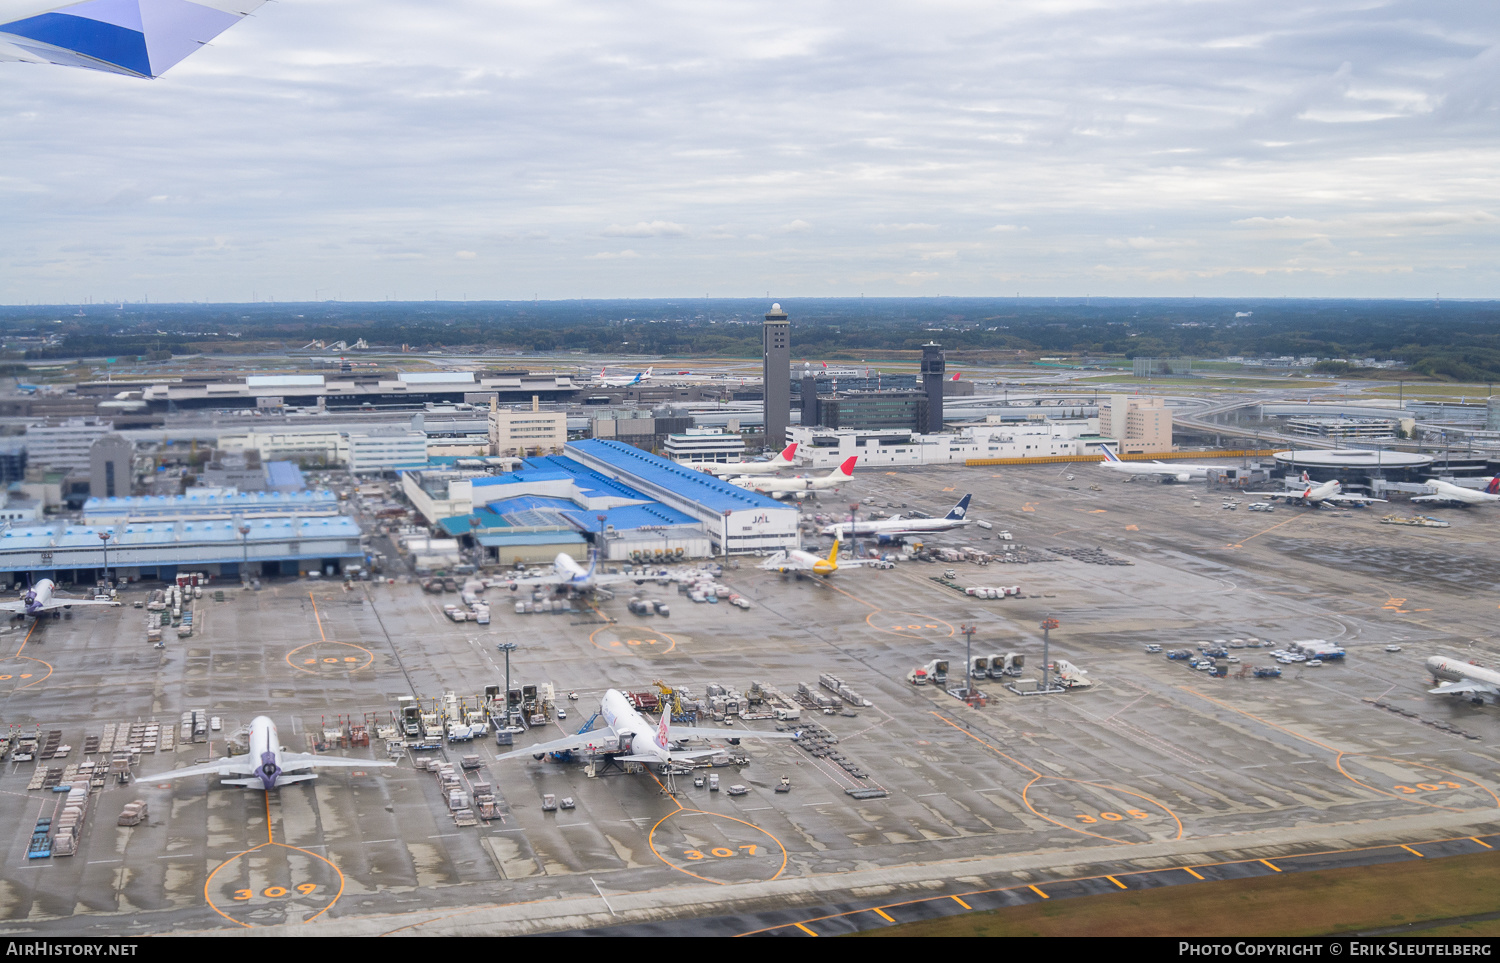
{"type": "Point", "coordinates": [512, 148]}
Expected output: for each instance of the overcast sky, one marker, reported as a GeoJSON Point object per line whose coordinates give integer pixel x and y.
{"type": "Point", "coordinates": [365, 149]}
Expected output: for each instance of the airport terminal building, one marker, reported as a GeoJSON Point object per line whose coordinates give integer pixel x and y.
{"type": "Point", "coordinates": [631, 504]}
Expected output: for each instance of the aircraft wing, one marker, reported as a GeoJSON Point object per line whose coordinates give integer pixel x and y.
{"type": "Point", "coordinates": [58, 603]}
{"type": "Point", "coordinates": [689, 732]}
{"type": "Point", "coordinates": [224, 767]}
{"type": "Point", "coordinates": [1467, 685]}
{"type": "Point", "coordinates": [306, 760]}
{"type": "Point", "coordinates": [581, 740]}
{"type": "Point", "coordinates": [1343, 499]}
{"type": "Point", "coordinates": [537, 580]}
{"type": "Point", "coordinates": [106, 37]}
{"type": "Point", "coordinates": [13, 607]}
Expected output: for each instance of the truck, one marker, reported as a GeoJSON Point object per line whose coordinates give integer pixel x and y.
{"type": "Point", "coordinates": [1318, 649]}
{"type": "Point", "coordinates": [411, 718]}
{"type": "Point", "coordinates": [1009, 664]}
{"type": "Point", "coordinates": [935, 672]}
{"type": "Point", "coordinates": [979, 667]}
{"type": "Point", "coordinates": [1267, 672]}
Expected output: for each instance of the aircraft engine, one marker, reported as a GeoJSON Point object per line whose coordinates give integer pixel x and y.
{"type": "Point", "coordinates": [1184, 477]}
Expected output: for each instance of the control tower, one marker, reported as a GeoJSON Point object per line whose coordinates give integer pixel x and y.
{"type": "Point", "coordinates": [932, 384]}
{"type": "Point", "coordinates": [776, 375]}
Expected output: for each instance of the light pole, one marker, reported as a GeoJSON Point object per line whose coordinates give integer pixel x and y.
{"type": "Point", "coordinates": [245, 544]}
{"type": "Point", "coordinates": [726, 538]}
{"type": "Point", "coordinates": [968, 632]}
{"type": "Point", "coordinates": [599, 549]}
{"type": "Point", "coordinates": [507, 648]}
{"type": "Point", "coordinates": [104, 543]}
{"type": "Point", "coordinates": [1048, 624]}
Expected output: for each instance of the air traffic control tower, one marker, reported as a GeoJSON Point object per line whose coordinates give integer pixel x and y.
{"type": "Point", "coordinates": [932, 384]}
{"type": "Point", "coordinates": [776, 337]}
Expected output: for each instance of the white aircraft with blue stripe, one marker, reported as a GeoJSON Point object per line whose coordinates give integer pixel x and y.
{"type": "Point", "coordinates": [568, 574]}
{"type": "Point", "coordinates": [137, 38]}
{"type": "Point", "coordinates": [641, 377]}
{"type": "Point", "coordinates": [1158, 469]}
{"type": "Point", "coordinates": [895, 529]}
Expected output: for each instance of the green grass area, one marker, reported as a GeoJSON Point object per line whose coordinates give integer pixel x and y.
{"type": "Point", "coordinates": [1434, 892]}
{"type": "Point", "coordinates": [1204, 382]}
{"type": "Point", "coordinates": [1446, 392]}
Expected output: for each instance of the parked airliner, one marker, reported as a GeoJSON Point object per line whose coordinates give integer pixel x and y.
{"type": "Point", "coordinates": [39, 600]}
{"type": "Point", "coordinates": [628, 736]}
{"type": "Point", "coordinates": [268, 765]}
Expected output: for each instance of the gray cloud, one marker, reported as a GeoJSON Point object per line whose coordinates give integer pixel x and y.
{"type": "Point", "coordinates": [1140, 147]}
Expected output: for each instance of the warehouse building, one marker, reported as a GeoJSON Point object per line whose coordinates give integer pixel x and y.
{"type": "Point", "coordinates": [159, 549]}
{"type": "Point", "coordinates": [205, 503]}
{"type": "Point", "coordinates": [733, 518]}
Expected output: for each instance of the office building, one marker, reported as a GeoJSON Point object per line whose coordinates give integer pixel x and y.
{"type": "Point", "coordinates": [64, 446]}
{"type": "Point", "coordinates": [1138, 424]}
{"type": "Point", "coordinates": [110, 472]}
{"type": "Point", "coordinates": [527, 432]}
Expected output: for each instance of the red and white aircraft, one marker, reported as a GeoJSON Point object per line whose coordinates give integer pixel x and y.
{"type": "Point", "coordinates": [779, 463]}
{"type": "Point", "coordinates": [799, 486]}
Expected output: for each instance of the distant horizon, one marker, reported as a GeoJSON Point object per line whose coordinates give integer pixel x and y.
{"type": "Point", "coordinates": [789, 299]}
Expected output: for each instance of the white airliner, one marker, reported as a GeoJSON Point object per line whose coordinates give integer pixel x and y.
{"type": "Point", "coordinates": [1324, 493]}
{"type": "Point", "coordinates": [1448, 493]}
{"type": "Point", "coordinates": [640, 378]}
{"type": "Point", "coordinates": [268, 765]}
{"type": "Point", "coordinates": [629, 737]}
{"type": "Point", "coordinates": [568, 574]}
{"type": "Point", "coordinates": [1159, 469]}
{"type": "Point", "coordinates": [1461, 678]}
{"type": "Point", "coordinates": [892, 529]}
{"type": "Point", "coordinates": [799, 486]}
{"type": "Point", "coordinates": [131, 37]}
{"type": "Point", "coordinates": [798, 562]}
{"type": "Point", "coordinates": [779, 463]}
{"type": "Point", "coordinates": [39, 600]}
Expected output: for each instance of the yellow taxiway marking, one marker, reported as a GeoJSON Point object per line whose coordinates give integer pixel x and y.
{"type": "Point", "coordinates": [1116, 882]}
{"type": "Point", "coordinates": [804, 929]}
{"type": "Point", "coordinates": [1481, 842]}
{"type": "Point", "coordinates": [1038, 892]}
{"type": "Point", "coordinates": [1270, 864]}
{"type": "Point", "coordinates": [1241, 542]}
{"type": "Point", "coordinates": [960, 902]}
{"type": "Point", "coordinates": [1410, 850]}
{"type": "Point", "coordinates": [883, 914]}
{"type": "Point", "coordinates": [1189, 871]}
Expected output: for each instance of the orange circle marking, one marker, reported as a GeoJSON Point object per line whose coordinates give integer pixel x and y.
{"type": "Point", "coordinates": [916, 626]}
{"type": "Point", "coordinates": [730, 861]}
{"type": "Point", "coordinates": [16, 673]}
{"type": "Point", "coordinates": [1107, 817]}
{"type": "Point", "coordinates": [636, 638]}
{"type": "Point", "coordinates": [259, 894]}
{"type": "Point", "coordinates": [342, 662]}
{"type": "Point", "coordinates": [1416, 798]}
